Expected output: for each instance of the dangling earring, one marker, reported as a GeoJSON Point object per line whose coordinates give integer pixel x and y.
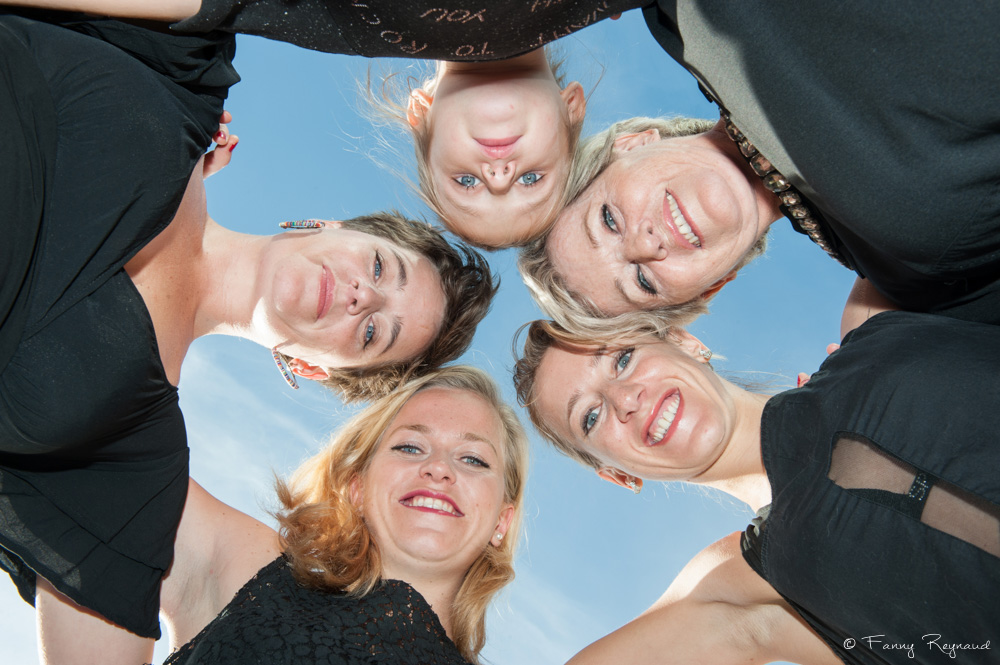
{"type": "Point", "coordinates": [302, 224]}
{"type": "Point", "coordinates": [284, 369]}
{"type": "Point", "coordinates": [634, 486]}
{"type": "Point", "coordinates": [706, 354]}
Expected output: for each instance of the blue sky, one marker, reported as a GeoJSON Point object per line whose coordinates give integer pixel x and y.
{"type": "Point", "coordinates": [592, 556]}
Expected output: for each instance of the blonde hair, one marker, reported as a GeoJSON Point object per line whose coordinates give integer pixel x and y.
{"type": "Point", "coordinates": [390, 103]}
{"type": "Point", "coordinates": [331, 547]}
{"type": "Point", "coordinates": [572, 310]}
{"type": "Point", "coordinates": [543, 335]}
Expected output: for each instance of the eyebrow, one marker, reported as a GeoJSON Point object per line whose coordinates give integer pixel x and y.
{"type": "Point", "coordinates": [577, 394]}
{"type": "Point", "coordinates": [590, 234]}
{"type": "Point", "coordinates": [401, 277]}
{"type": "Point", "coordinates": [397, 325]}
{"type": "Point", "coordinates": [467, 436]}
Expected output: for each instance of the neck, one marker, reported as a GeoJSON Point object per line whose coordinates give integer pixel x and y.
{"type": "Point", "coordinates": [227, 279]}
{"type": "Point", "coordinates": [739, 471]}
{"type": "Point", "coordinates": [533, 63]}
{"type": "Point", "coordinates": [767, 201]}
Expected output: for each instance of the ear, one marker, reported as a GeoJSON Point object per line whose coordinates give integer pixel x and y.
{"type": "Point", "coordinates": [355, 493]}
{"type": "Point", "coordinates": [301, 368]}
{"type": "Point", "coordinates": [690, 344]}
{"type": "Point", "coordinates": [503, 523]}
{"type": "Point", "coordinates": [418, 106]}
{"type": "Point", "coordinates": [715, 288]}
{"type": "Point", "coordinates": [620, 478]}
{"type": "Point", "coordinates": [576, 102]}
{"type": "Point", "coordinates": [627, 142]}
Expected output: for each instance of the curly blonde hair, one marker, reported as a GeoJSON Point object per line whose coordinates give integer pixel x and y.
{"type": "Point", "coordinates": [330, 545]}
{"type": "Point", "coordinates": [572, 310]}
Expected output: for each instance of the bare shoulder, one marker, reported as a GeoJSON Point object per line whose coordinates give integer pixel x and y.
{"type": "Point", "coordinates": [717, 611]}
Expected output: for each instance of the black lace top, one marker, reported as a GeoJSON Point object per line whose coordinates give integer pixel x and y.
{"type": "Point", "coordinates": [274, 620]}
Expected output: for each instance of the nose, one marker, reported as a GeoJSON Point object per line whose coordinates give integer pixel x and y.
{"type": "Point", "coordinates": [498, 175]}
{"type": "Point", "coordinates": [437, 468]}
{"type": "Point", "coordinates": [644, 243]}
{"type": "Point", "coordinates": [363, 298]}
{"type": "Point", "coordinates": [625, 399]}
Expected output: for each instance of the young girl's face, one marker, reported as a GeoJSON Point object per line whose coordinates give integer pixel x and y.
{"type": "Point", "coordinates": [499, 152]}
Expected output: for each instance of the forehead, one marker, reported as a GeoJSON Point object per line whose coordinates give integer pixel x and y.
{"type": "Point", "coordinates": [499, 220]}
{"type": "Point", "coordinates": [420, 305]}
{"type": "Point", "coordinates": [451, 414]}
{"type": "Point", "coordinates": [587, 259]}
{"type": "Point", "coordinates": [561, 374]}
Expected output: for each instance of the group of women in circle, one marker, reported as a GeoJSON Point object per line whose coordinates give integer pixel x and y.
{"type": "Point", "coordinates": [872, 481]}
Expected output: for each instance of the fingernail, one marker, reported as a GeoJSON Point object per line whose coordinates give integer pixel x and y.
{"type": "Point", "coordinates": [233, 146]}
{"type": "Point", "coordinates": [219, 137]}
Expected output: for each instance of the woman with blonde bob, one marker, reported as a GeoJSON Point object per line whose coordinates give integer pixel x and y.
{"type": "Point", "coordinates": [394, 540]}
{"type": "Point", "coordinates": [874, 484]}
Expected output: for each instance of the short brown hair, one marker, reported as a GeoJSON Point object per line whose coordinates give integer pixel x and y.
{"type": "Point", "coordinates": [325, 535]}
{"type": "Point", "coordinates": [547, 286]}
{"type": "Point", "coordinates": [469, 287]}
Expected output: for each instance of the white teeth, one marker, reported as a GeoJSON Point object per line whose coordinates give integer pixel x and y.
{"type": "Point", "coordinates": [421, 501]}
{"type": "Point", "coordinates": [681, 222]}
{"type": "Point", "coordinates": [666, 419]}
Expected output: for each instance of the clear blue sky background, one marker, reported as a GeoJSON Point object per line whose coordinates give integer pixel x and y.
{"type": "Point", "coordinates": [592, 555]}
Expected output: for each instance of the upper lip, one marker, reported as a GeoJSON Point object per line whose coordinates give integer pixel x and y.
{"type": "Point", "coordinates": [434, 495]}
{"type": "Point", "coordinates": [498, 148]}
{"type": "Point", "coordinates": [326, 284]}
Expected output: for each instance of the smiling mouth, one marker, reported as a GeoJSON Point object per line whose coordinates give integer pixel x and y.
{"type": "Point", "coordinates": [498, 148]}
{"type": "Point", "coordinates": [442, 505]}
{"type": "Point", "coordinates": [681, 223]}
{"type": "Point", "coordinates": [325, 293]}
{"type": "Point", "coordinates": [662, 425]}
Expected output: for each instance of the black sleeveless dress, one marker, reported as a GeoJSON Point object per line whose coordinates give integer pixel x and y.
{"type": "Point", "coordinates": [273, 620]}
{"type": "Point", "coordinates": [101, 124]}
{"type": "Point", "coordinates": [883, 531]}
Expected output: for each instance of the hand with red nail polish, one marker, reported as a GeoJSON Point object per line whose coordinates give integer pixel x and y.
{"type": "Point", "coordinates": [217, 158]}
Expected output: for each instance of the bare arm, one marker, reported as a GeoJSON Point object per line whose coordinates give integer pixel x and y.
{"type": "Point", "coordinates": [216, 551]}
{"type": "Point", "coordinates": [863, 303]}
{"type": "Point", "coordinates": [718, 611]}
{"type": "Point", "coordinates": [158, 10]}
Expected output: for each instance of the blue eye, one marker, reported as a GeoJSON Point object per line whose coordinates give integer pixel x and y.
{"type": "Point", "coordinates": [529, 178]}
{"type": "Point", "coordinates": [608, 219]}
{"type": "Point", "coordinates": [467, 181]}
{"type": "Point", "coordinates": [590, 419]}
{"type": "Point", "coordinates": [623, 358]}
{"type": "Point", "coordinates": [643, 282]}
{"type": "Point", "coordinates": [369, 332]}
{"type": "Point", "coordinates": [408, 448]}
{"type": "Point", "coordinates": [475, 461]}
{"type": "Point", "coordinates": [378, 266]}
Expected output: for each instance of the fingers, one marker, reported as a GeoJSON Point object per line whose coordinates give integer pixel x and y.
{"type": "Point", "coordinates": [803, 379]}
{"type": "Point", "coordinates": [219, 157]}
{"type": "Point", "coordinates": [830, 348]}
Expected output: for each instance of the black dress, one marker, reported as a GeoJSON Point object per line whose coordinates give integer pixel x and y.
{"type": "Point", "coordinates": [101, 126]}
{"type": "Point", "coordinates": [458, 30]}
{"type": "Point", "coordinates": [273, 620]}
{"type": "Point", "coordinates": [886, 117]}
{"type": "Point", "coordinates": [883, 528]}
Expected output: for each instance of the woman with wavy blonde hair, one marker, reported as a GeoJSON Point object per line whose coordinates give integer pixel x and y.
{"type": "Point", "coordinates": [394, 539]}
